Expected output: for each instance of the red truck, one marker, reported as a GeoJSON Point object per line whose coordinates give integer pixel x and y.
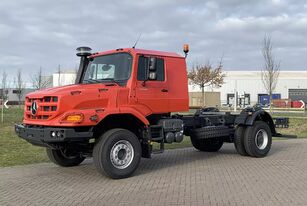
{"type": "Point", "coordinates": [123, 101]}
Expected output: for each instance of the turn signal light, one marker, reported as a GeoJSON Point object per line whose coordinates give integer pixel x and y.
{"type": "Point", "coordinates": [186, 48]}
{"type": "Point", "coordinates": [74, 118]}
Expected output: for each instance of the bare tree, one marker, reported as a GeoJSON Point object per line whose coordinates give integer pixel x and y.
{"type": "Point", "coordinates": [19, 86]}
{"type": "Point", "coordinates": [4, 86]}
{"type": "Point", "coordinates": [271, 68]}
{"type": "Point", "coordinates": [207, 76]}
{"type": "Point", "coordinates": [39, 81]}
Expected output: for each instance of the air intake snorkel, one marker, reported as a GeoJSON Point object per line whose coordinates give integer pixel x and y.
{"type": "Point", "coordinates": [82, 52]}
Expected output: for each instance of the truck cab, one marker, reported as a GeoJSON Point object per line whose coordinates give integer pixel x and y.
{"type": "Point", "coordinates": [123, 81]}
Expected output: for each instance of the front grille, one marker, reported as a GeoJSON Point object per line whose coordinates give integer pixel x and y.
{"type": "Point", "coordinates": [46, 108]}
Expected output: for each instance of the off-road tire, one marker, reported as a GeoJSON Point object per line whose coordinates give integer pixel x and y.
{"type": "Point", "coordinates": [239, 140]}
{"type": "Point", "coordinates": [210, 132]}
{"type": "Point", "coordinates": [102, 153]}
{"type": "Point", "coordinates": [207, 145]}
{"type": "Point", "coordinates": [250, 137]}
{"type": "Point", "coordinates": [57, 157]}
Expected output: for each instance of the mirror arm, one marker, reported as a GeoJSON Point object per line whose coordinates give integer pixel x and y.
{"type": "Point", "coordinates": [144, 83]}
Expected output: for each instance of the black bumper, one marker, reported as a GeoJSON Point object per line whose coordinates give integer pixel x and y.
{"type": "Point", "coordinates": [43, 136]}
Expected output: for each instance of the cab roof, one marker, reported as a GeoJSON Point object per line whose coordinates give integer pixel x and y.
{"type": "Point", "coordinates": [139, 51]}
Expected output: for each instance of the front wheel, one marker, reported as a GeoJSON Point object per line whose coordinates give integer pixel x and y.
{"type": "Point", "coordinates": [117, 153]}
{"type": "Point", "coordinates": [60, 158]}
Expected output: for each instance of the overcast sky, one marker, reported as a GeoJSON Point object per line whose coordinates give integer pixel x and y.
{"type": "Point", "coordinates": [36, 33]}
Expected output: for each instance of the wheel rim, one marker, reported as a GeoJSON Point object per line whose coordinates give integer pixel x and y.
{"type": "Point", "coordinates": [261, 139]}
{"type": "Point", "coordinates": [121, 154]}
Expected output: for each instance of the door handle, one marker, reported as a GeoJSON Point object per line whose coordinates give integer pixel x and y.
{"type": "Point", "coordinates": [164, 90]}
{"type": "Point", "coordinates": [103, 90]}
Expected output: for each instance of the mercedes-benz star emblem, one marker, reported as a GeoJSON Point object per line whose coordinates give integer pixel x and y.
{"type": "Point", "coordinates": [34, 108]}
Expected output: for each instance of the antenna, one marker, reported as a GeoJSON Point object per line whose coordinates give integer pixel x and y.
{"type": "Point", "coordinates": [136, 42]}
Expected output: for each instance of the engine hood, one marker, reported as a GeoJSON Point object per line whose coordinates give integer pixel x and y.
{"type": "Point", "coordinates": [64, 90]}
{"type": "Point", "coordinates": [79, 96]}
{"type": "Point", "coordinates": [84, 98]}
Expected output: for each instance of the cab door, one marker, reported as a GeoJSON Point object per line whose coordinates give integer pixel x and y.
{"type": "Point", "coordinates": [152, 88]}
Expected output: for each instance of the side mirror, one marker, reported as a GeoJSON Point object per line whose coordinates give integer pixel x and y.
{"type": "Point", "coordinates": [151, 68]}
{"type": "Point", "coordinates": [152, 63]}
{"type": "Point", "coordinates": [152, 76]}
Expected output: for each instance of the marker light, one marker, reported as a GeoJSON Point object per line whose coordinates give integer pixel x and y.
{"type": "Point", "coordinates": [185, 48]}
{"type": "Point", "coordinates": [84, 51]}
{"type": "Point", "coordinates": [74, 118]}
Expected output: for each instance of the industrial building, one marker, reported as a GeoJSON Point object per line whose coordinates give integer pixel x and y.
{"type": "Point", "coordinates": [64, 78]}
{"type": "Point", "coordinates": [291, 85]}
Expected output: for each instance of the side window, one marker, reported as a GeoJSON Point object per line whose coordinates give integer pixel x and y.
{"type": "Point", "coordinates": [143, 61]}
{"type": "Point", "coordinates": [143, 67]}
{"type": "Point", "coordinates": [160, 69]}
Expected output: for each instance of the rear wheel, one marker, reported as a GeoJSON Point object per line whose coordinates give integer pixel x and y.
{"type": "Point", "coordinates": [207, 145]}
{"type": "Point", "coordinates": [65, 160]}
{"type": "Point", "coordinates": [258, 139]}
{"type": "Point", "coordinates": [239, 140]}
{"type": "Point", "coordinates": [117, 153]}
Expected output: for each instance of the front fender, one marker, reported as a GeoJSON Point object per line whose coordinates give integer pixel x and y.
{"type": "Point", "coordinates": [137, 114]}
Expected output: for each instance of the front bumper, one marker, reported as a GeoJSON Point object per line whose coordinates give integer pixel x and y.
{"type": "Point", "coordinates": [42, 136]}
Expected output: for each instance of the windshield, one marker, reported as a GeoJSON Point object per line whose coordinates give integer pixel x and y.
{"type": "Point", "coordinates": [109, 68]}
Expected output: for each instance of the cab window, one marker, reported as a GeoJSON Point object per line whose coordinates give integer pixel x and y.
{"type": "Point", "coordinates": [108, 68]}
{"type": "Point", "coordinates": [144, 71]}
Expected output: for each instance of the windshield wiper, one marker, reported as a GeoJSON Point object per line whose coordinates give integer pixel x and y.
{"type": "Point", "coordinates": [91, 80]}
{"type": "Point", "coordinates": [101, 80]}
{"type": "Point", "coordinates": [110, 79]}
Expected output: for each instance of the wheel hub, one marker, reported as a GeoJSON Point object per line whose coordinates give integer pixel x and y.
{"type": "Point", "coordinates": [261, 139]}
{"type": "Point", "coordinates": [121, 154]}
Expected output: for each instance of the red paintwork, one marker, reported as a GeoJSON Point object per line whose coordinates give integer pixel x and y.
{"type": "Point", "coordinates": [102, 100]}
